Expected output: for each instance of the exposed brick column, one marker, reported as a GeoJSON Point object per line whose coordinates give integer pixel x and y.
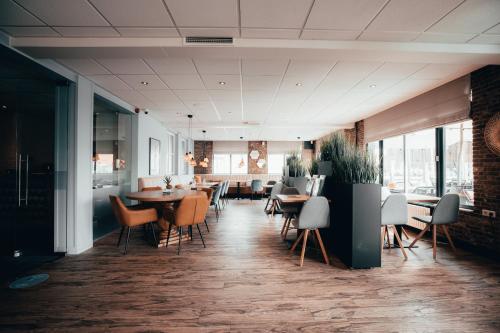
{"type": "Point", "coordinates": [198, 156]}
{"type": "Point", "coordinates": [261, 147]}
{"type": "Point", "coordinates": [473, 229]}
{"type": "Point", "coordinates": [359, 128]}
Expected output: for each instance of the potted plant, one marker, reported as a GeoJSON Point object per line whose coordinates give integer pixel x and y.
{"type": "Point", "coordinates": [354, 233]}
{"type": "Point", "coordinates": [314, 167]}
{"type": "Point", "coordinates": [168, 182]}
{"type": "Point", "coordinates": [297, 171]}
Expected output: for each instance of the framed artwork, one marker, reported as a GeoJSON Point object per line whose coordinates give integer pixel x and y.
{"type": "Point", "coordinates": [154, 157]}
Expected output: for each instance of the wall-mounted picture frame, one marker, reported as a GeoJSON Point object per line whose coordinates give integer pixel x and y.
{"type": "Point", "coordinates": [154, 157]}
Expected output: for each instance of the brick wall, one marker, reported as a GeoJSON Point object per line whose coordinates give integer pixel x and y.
{"type": "Point", "coordinates": [198, 155]}
{"type": "Point", "coordinates": [359, 129]}
{"type": "Point", "coordinates": [261, 147]}
{"type": "Point", "coordinates": [473, 229]}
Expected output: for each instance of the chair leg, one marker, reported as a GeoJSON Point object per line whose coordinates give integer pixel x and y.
{"type": "Point", "coordinates": [287, 227]}
{"type": "Point", "coordinates": [273, 207]}
{"type": "Point", "coordinates": [267, 204]}
{"type": "Point", "coordinates": [434, 242]}
{"type": "Point", "coordinates": [382, 239]}
{"type": "Point", "coordinates": [296, 242]}
{"type": "Point", "coordinates": [202, 240]}
{"type": "Point", "coordinates": [419, 236]}
{"type": "Point", "coordinates": [168, 234]}
{"type": "Point", "coordinates": [322, 246]}
{"type": "Point", "coordinates": [405, 233]}
{"type": "Point", "coordinates": [179, 231]}
{"type": "Point", "coordinates": [153, 232]}
{"type": "Point", "coordinates": [190, 231]}
{"type": "Point", "coordinates": [126, 242]}
{"type": "Point", "coordinates": [206, 225]}
{"type": "Point", "coordinates": [217, 211]}
{"type": "Point", "coordinates": [284, 225]}
{"type": "Point", "coordinates": [445, 230]}
{"type": "Point", "coordinates": [304, 244]}
{"type": "Point", "coordinates": [120, 238]}
{"type": "Point", "coordinates": [388, 237]}
{"type": "Point", "coordinates": [399, 241]}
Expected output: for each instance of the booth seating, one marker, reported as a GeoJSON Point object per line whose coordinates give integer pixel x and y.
{"type": "Point", "coordinates": [154, 181]}
{"type": "Point", "coordinates": [244, 189]}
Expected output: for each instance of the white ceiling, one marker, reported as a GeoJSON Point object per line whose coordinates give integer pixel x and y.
{"type": "Point", "coordinates": [384, 52]}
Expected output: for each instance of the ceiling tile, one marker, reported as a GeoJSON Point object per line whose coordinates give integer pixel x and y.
{"type": "Point", "coordinates": [436, 71]}
{"type": "Point", "coordinates": [218, 66]}
{"type": "Point", "coordinates": [225, 95]}
{"type": "Point", "coordinates": [175, 81]}
{"type": "Point", "coordinates": [470, 17]}
{"type": "Point", "coordinates": [388, 36]}
{"type": "Point", "coordinates": [270, 33]}
{"type": "Point", "coordinates": [274, 14]}
{"type": "Point", "coordinates": [330, 34]}
{"type": "Point", "coordinates": [261, 82]}
{"type": "Point", "coordinates": [84, 66]}
{"type": "Point", "coordinates": [346, 74]}
{"type": "Point", "coordinates": [209, 32]}
{"type": "Point", "coordinates": [486, 39]}
{"type": "Point", "coordinates": [395, 71]}
{"type": "Point", "coordinates": [193, 95]}
{"type": "Point", "coordinates": [343, 15]}
{"type": "Point", "coordinates": [13, 14]}
{"type": "Point", "coordinates": [307, 68]}
{"type": "Point", "coordinates": [494, 30]}
{"type": "Point", "coordinates": [30, 31]}
{"type": "Point", "coordinates": [64, 12]}
{"type": "Point", "coordinates": [125, 65]}
{"type": "Point", "coordinates": [134, 98]}
{"type": "Point", "coordinates": [258, 95]}
{"type": "Point", "coordinates": [87, 31]}
{"type": "Point", "coordinates": [299, 84]}
{"type": "Point", "coordinates": [148, 32]}
{"type": "Point", "coordinates": [110, 82]}
{"type": "Point", "coordinates": [202, 13]}
{"type": "Point", "coordinates": [404, 15]}
{"type": "Point", "coordinates": [135, 81]}
{"type": "Point", "coordinates": [160, 96]}
{"type": "Point", "coordinates": [133, 13]}
{"type": "Point", "coordinates": [169, 65]}
{"type": "Point", "coordinates": [222, 81]}
{"type": "Point", "coordinates": [434, 37]}
{"type": "Point", "coordinates": [264, 67]}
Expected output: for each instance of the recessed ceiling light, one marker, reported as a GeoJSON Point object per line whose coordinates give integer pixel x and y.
{"type": "Point", "coordinates": [241, 137]}
{"type": "Point", "coordinates": [373, 85]}
{"type": "Point", "coordinates": [4, 107]}
{"type": "Point", "coordinates": [144, 83]}
{"type": "Point", "coordinates": [298, 138]}
{"type": "Point", "coordinates": [222, 83]}
{"type": "Point", "coordinates": [298, 84]}
{"type": "Point", "coordinates": [229, 112]}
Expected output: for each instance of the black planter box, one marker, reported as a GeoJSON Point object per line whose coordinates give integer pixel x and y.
{"type": "Point", "coordinates": [354, 233]}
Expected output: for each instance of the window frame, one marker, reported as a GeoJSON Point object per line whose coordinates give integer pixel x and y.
{"type": "Point", "coordinates": [440, 160]}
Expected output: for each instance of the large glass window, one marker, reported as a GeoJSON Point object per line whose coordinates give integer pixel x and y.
{"type": "Point", "coordinates": [222, 164]}
{"type": "Point", "coordinates": [239, 164]}
{"type": "Point", "coordinates": [275, 163]}
{"type": "Point", "coordinates": [458, 161]}
{"type": "Point", "coordinates": [171, 155]}
{"type": "Point", "coordinates": [394, 163]}
{"type": "Point", "coordinates": [421, 162]}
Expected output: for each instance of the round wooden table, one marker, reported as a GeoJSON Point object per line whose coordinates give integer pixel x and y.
{"type": "Point", "coordinates": [158, 200]}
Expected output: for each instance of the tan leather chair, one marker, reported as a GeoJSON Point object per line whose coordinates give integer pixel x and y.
{"type": "Point", "coordinates": [191, 211]}
{"type": "Point", "coordinates": [210, 192]}
{"type": "Point", "coordinates": [179, 186]}
{"type": "Point", "coordinates": [130, 217]}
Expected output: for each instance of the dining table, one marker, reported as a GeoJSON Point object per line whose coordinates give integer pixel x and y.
{"type": "Point", "coordinates": [159, 200]}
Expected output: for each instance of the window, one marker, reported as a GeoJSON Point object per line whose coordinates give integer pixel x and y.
{"type": "Point", "coordinates": [275, 163]}
{"type": "Point", "coordinates": [421, 162]}
{"type": "Point", "coordinates": [394, 163]}
{"type": "Point", "coordinates": [458, 161]}
{"type": "Point", "coordinates": [239, 164]}
{"type": "Point", "coordinates": [171, 154]}
{"type": "Point", "coordinates": [225, 164]}
{"type": "Point", "coordinates": [222, 164]}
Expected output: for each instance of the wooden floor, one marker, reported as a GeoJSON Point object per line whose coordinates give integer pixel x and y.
{"type": "Point", "coordinates": [245, 281]}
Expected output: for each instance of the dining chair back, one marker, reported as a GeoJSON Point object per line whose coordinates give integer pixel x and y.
{"type": "Point", "coordinates": [315, 214]}
{"type": "Point", "coordinates": [256, 185]}
{"type": "Point", "coordinates": [209, 191]}
{"type": "Point", "coordinates": [446, 211]}
{"type": "Point", "coordinates": [277, 188]}
{"type": "Point", "coordinates": [394, 212]}
{"type": "Point", "coordinates": [290, 191]}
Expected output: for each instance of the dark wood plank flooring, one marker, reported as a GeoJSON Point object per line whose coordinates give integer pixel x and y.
{"type": "Point", "coordinates": [245, 281]}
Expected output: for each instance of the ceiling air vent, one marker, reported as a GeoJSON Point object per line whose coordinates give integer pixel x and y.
{"type": "Point", "coordinates": [209, 40]}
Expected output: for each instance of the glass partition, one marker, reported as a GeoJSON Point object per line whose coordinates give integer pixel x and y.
{"type": "Point", "coordinates": [111, 162]}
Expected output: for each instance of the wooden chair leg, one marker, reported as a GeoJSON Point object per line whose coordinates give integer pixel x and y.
{"type": "Point", "coordinates": [120, 238]}
{"type": "Point", "coordinates": [273, 207]}
{"type": "Point", "coordinates": [287, 227]}
{"type": "Point", "coordinates": [168, 234]}
{"type": "Point", "coordinates": [388, 237]}
{"type": "Point", "coordinates": [284, 225]}
{"type": "Point", "coordinates": [267, 204]}
{"type": "Point", "coordinates": [434, 242]}
{"type": "Point", "coordinates": [322, 246]}
{"type": "Point", "coordinates": [419, 235]}
{"type": "Point", "coordinates": [296, 242]}
{"type": "Point", "coordinates": [304, 244]}
{"type": "Point", "coordinates": [401, 246]}
{"type": "Point", "coordinates": [153, 232]}
{"type": "Point", "coordinates": [382, 239]}
{"type": "Point", "coordinates": [405, 233]}
{"type": "Point", "coordinates": [445, 230]}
